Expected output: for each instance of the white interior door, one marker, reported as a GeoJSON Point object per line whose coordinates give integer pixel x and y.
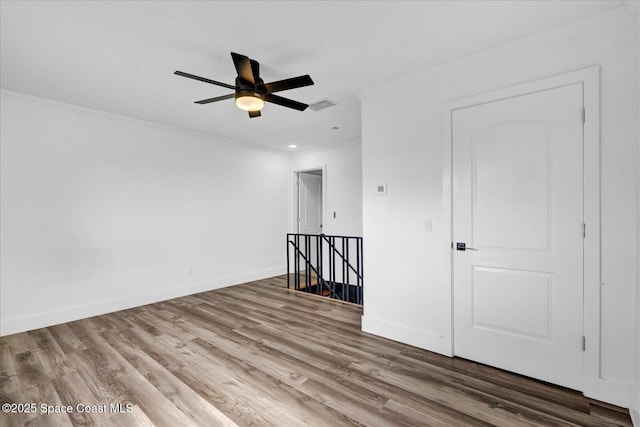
{"type": "Point", "coordinates": [309, 203]}
{"type": "Point", "coordinates": [517, 205]}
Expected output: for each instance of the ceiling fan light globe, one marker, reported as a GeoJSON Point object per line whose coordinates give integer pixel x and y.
{"type": "Point", "coordinates": [249, 103]}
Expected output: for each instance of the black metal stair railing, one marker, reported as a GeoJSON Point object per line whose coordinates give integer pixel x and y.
{"type": "Point", "coordinates": [326, 265]}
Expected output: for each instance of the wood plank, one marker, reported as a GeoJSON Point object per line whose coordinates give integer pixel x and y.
{"type": "Point", "coordinates": [284, 396]}
{"type": "Point", "coordinates": [65, 338]}
{"type": "Point", "coordinates": [161, 377]}
{"type": "Point", "coordinates": [260, 354]}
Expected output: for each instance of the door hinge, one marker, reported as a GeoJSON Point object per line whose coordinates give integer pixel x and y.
{"type": "Point", "coordinates": [584, 115]}
{"type": "Point", "coordinates": [584, 343]}
{"type": "Point", "coordinates": [584, 230]}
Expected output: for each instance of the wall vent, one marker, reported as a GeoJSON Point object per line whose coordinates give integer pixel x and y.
{"type": "Point", "coordinates": [322, 104]}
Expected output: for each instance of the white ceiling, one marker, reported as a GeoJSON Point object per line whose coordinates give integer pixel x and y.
{"type": "Point", "coordinates": [119, 56]}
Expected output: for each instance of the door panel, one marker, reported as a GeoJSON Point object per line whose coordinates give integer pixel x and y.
{"type": "Point", "coordinates": [511, 301]}
{"type": "Point", "coordinates": [511, 177]}
{"type": "Point", "coordinates": [517, 203]}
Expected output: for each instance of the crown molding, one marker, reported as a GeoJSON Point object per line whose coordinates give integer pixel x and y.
{"type": "Point", "coordinates": [328, 147]}
{"type": "Point", "coordinates": [79, 109]}
{"type": "Point", "coordinates": [620, 13]}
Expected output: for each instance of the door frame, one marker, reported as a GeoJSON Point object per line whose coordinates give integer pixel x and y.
{"type": "Point", "coordinates": [296, 195]}
{"type": "Point", "coordinates": [590, 79]}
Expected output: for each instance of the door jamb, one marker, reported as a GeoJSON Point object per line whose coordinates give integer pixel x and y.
{"type": "Point", "coordinates": [593, 384]}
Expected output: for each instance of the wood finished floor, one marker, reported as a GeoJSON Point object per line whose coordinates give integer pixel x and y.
{"type": "Point", "coordinates": [259, 355]}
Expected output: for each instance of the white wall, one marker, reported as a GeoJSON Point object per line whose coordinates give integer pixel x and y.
{"type": "Point", "coordinates": [101, 212]}
{"type": "Point", "coordinates": [634, 7]}
{"type": "Point", "coordinates": [342, 185]}
{"type": "Point", "coordinates": [402, 147]}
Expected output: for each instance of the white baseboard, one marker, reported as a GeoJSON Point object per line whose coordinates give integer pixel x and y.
{"type": "Point", "coordinates": [610, 391]}
{"type": "Point", "coordinates": [634, 405]}
{"type": "Point", "coordinates": [42, 320]}
{"type": "Point", "coordinates": [418, 338]}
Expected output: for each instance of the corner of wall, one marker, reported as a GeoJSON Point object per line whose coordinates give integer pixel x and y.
{"type": "Point", "coordinates": [635, 417]}
{"type": "Point", "coordinates": [634, 403]}
{"type": "Point", "coordinates": [635, 393]}
{"type": "Point", "coordinates": [635, 414]}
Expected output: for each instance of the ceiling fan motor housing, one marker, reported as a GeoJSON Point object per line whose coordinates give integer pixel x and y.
{"type": "Point", "coordinates": [247, 97]}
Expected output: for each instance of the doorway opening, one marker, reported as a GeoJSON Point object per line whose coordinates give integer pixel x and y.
{"type": "Point", "coordinates": [308, 215]}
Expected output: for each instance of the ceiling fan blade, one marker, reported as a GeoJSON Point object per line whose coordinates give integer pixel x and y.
{"type": "Point", "coordinates": [286, 84]}
{"type": "Point", "coordinates": [255, 69]}
{"type": "Point", "coordinates": [202, 79]}
{"type": "Point", "coordinates": [217, 98]}
{"type": "Point", "coordinates": [243, 67]}
{"type": "Point", "coordinates": [253, 114]}
{"type": "Point", "coordinates": [285, 102]}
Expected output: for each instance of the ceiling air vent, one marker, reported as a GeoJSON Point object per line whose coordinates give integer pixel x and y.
{"type": "Point", "coordinates": [321, 105]}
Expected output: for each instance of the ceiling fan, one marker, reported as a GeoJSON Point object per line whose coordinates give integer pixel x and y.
{"type": "Point", "coordinates": [251, 91]}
